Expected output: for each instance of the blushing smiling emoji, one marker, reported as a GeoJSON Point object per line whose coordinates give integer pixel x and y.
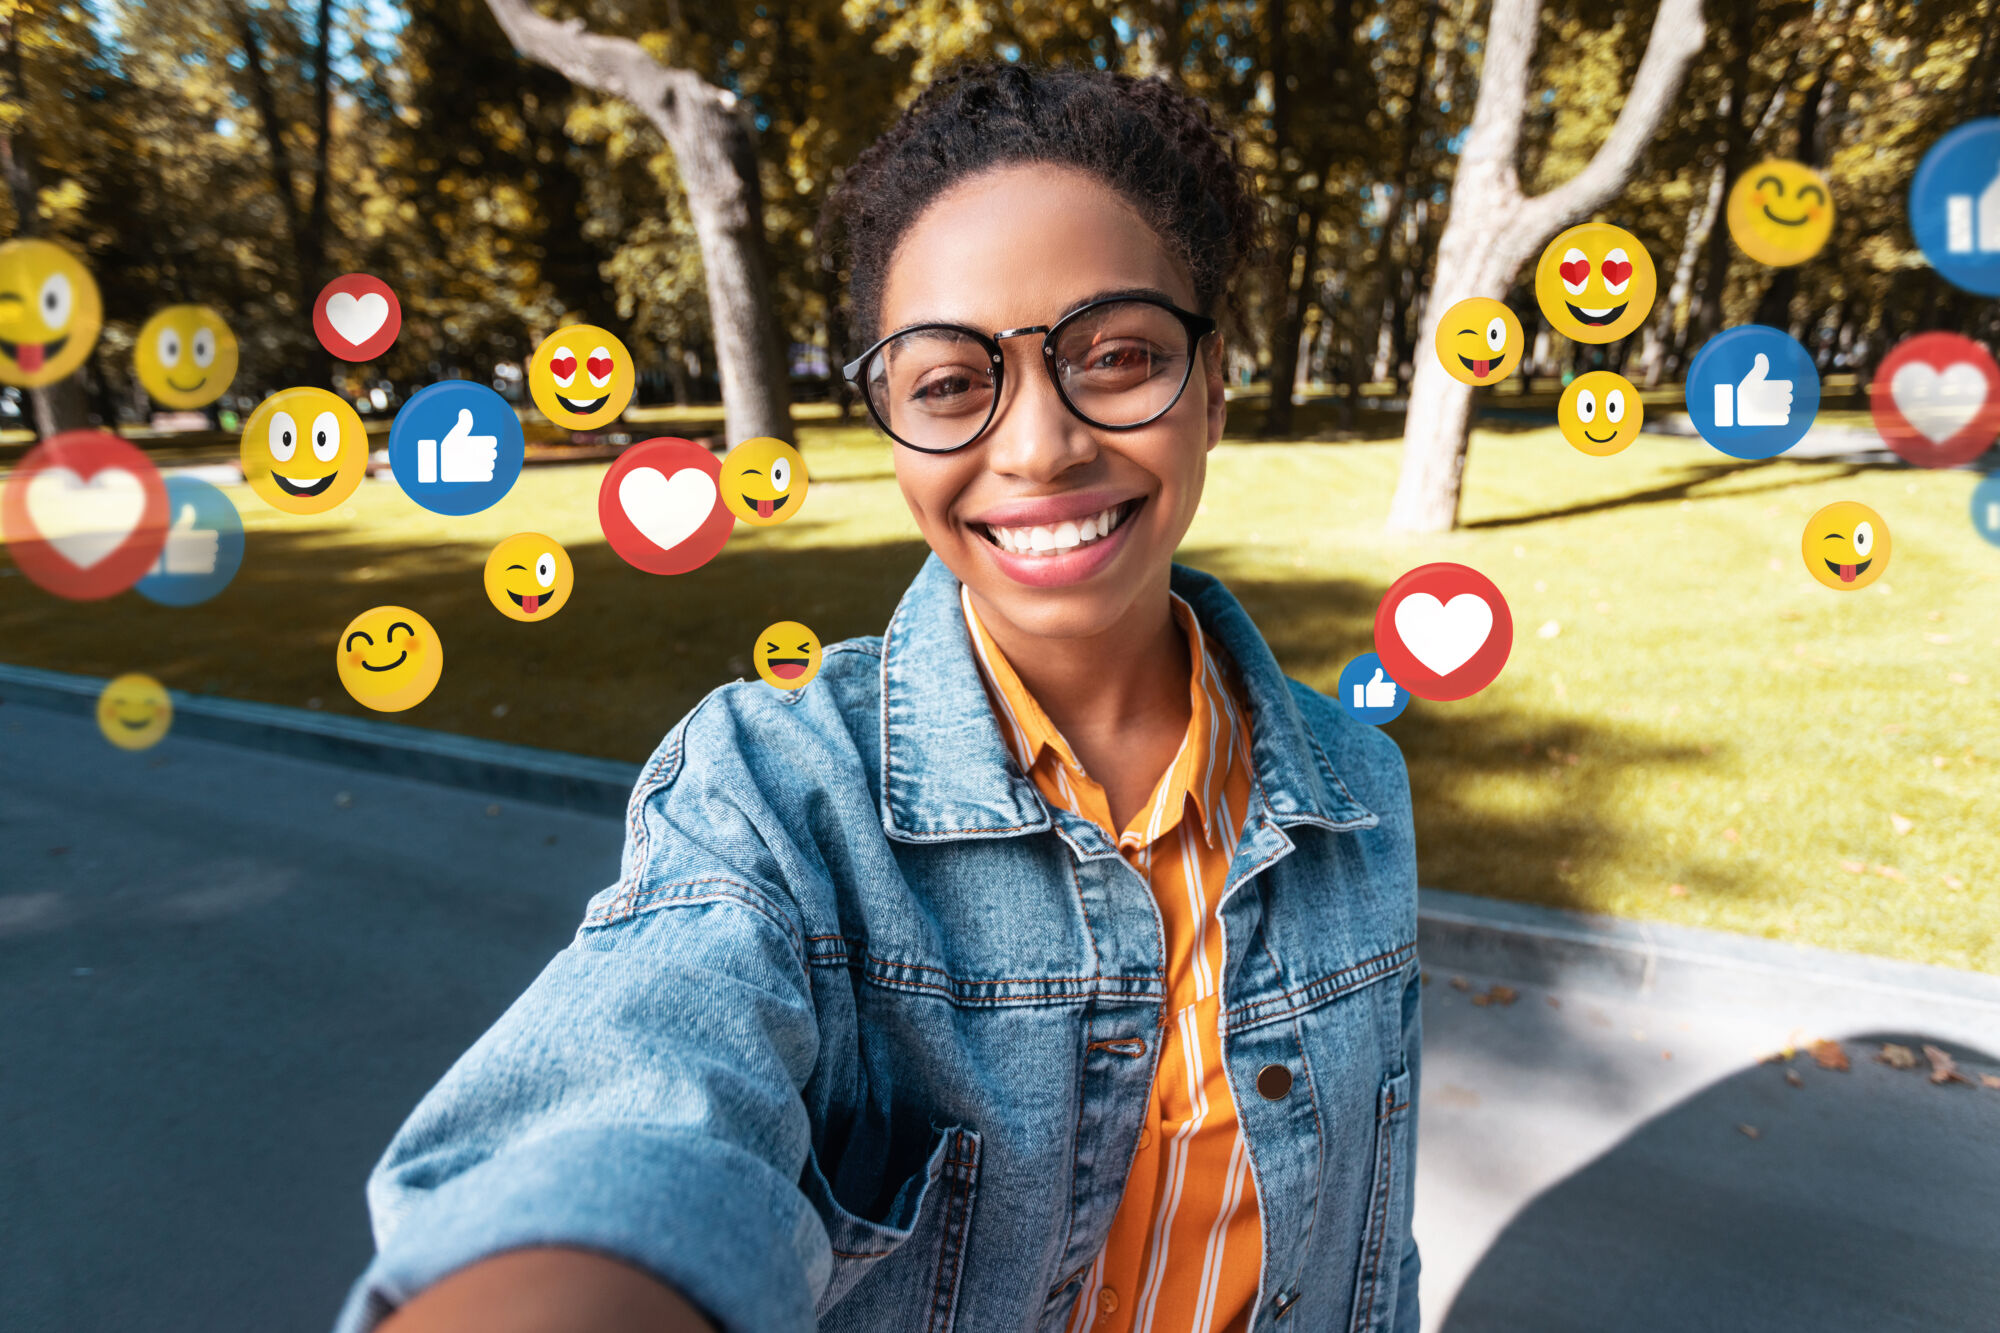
{"type": "Point", "coordinates": [787, 655]}
{"type": "Point", "coordinates": [304, 451]}
{"type": "Point", "coordinates": [763, 481]}
{"type": "Point", "coordinates": [389, 658]}
{"type": "Point", "coordinates": [581, 377]}
{"type": "Point", "coordinates": [185, 356]}
{"type": "Point", "coordinates": [1846, 546]}
{"type": "Point", "coordinates": [50, 313]}
{"type": "Point", "coordinates": [1780, 212]}
{"type": "Point", "coordinates": [1595, 283]}
{"type": "Point", "coordinates": [134, 711]}
{"type": "Point", "coordinates": [529, 577]}
{"type": "Point", "coordinates": [1479, 341]}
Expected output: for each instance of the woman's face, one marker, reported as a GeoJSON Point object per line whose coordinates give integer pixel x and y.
{"type": "Point", "coordinates": [1026, 244]}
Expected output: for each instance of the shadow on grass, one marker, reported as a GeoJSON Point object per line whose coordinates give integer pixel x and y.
{"type": "Point", "coordinates": [1681, 489]}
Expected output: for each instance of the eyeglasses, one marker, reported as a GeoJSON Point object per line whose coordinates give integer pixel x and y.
{"type": "Point", "coordinates": [1117, 364]}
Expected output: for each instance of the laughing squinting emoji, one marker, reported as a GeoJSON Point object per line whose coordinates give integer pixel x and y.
{"type": "Point", "coordinates": [304, 451]}
{"type": "Point", "coordinates": [50, 313]}
{"type": "Point", "coordinates": [581, 377]}
{"type": "Point", "coordinates": [787, 655]}
{"type": "Point", "coordinates": [1595, 283]}
{"type": "Point", "coordinates": [529, 576]}
{"type": "Point", "coordinates": [763, 481]}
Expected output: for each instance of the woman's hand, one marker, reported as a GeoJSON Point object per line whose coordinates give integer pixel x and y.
{"type": "Point", "coordinates": [548, 1291]}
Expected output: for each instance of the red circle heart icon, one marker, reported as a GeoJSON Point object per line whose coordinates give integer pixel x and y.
{"type": "Point", "coordinates": [1443, 631]}
{"type": "Point", "coordinates": [660, 506]}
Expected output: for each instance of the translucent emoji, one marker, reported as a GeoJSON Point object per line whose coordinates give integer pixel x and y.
{"type": "Point", "coordinates": [787, 655]}
{"type": "Point", "coordinates": [389, 658]}
{"type": "Point", "coordinates": [134, 711]}
{"type": "Point", "coordinates": [763, 481]}
{"type": "Point", "coordinates": [581, 377]}
{"type": "Point", "coordinates": [529, 577]}
{"type": "Point", "coordinates": [1595, 283]}
{"type": "Point", "coordinates": [50, 313]}
{"type": "Point", "coordinates": [185, 356]}
{"type": "Point", "coordinates": [1600, 413]}
{"type": "Point", "coordinates": [1780, 212]}
{"type": "Point", "coordinates": [304, 451]}
{"type": "Point", "coordinates": [1846, 546]}
{"type": "Point", "coordinates": [1479, 341]}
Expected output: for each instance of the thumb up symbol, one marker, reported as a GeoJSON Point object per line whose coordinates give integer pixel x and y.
{"type": "Point", "coordinates": [1758, 401]}
{"type": "Point", "coordinates": [1961, 236]}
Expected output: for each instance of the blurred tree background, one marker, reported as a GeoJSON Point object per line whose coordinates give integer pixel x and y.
{"type": "Point", "coordinates": [242, 152]}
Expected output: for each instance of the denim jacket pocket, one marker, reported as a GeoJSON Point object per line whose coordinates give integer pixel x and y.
{"type": "Point", "coordinates": [1375, 1279]}
{"type": "Point", "coordinates": [917, 1248]}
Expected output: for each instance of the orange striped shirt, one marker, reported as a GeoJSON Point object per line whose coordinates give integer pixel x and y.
{"type": "Point", "coordinates": [1186, 1244]}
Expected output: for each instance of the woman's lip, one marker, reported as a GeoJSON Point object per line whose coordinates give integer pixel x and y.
{"type": "Point", "coordinates": [1058, 571]}
{"type": "Point", "coordinates": [1049, 510]}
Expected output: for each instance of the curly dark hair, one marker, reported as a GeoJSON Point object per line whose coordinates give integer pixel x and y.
{"type": "Point", "coordinates": [1155, 143]}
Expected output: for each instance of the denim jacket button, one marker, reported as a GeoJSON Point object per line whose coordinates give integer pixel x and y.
{"type": "Point", "coordinates": [1274, 1081]}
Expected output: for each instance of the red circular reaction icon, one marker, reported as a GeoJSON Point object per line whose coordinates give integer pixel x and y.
{"type": "Point", "coordinates": [1444, 631]}
{"type": "Point", "coordinates": [85, 515]}
{"type": "Point", "coordinates": [661, 506]}
{"type": "Point", "coordinates": [1936, 400]}
{"type": "Point", "coordinates": [356, 317]}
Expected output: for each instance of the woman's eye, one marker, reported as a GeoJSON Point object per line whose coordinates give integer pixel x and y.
{"type": "Point", "coordinates": [942, 388]}
{"type": "Point", "coordinates": [204, 347]}
{"type": "Point", "coordinates": [781, 475]}
{"type": "Point", "coordinates": [326, 436]}
{"type": "Point", "coordinates": [56, 301]}
{"type": "Point", "coordinates": [545, 569]}
{"type": "Point", "coordinates": [1496, 334]}
{"type": "Point", "coordinates": [284, 436]}
{"type": "Point", "coordinates": [1864, 539]}
{"type": "Point", "coordinates": [1586, 406]}
{"type": "Point", "coordinates": [1614, 406]}
{"type": "Point", "coordinates": [169, 347]}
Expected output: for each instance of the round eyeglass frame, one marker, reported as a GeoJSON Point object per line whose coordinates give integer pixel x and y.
{"type": "Point", "coordinates": [1197, 326]}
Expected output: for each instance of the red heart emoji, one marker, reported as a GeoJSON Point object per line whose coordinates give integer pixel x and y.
{"type": "Point", "coordinates": [600, 367]}
{"type": "Point", "coordinates": [1575, 271]}
{"type": "Point", "coordinates": [563, 365]}
{"type": "Point", "coordinates": [1617, 271]}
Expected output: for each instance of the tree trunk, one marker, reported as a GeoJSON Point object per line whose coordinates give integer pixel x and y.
{"type": "Point", "coordinates": [715, 151]}
{"type": "Point", "coordinates": [60, 406]}
{"type": "Point", "coordinates": [1494, 229]}
{"type": "Point", "coordinates": [1654, 360]}
{"type": "Point", "coordinates": [1294, 300]}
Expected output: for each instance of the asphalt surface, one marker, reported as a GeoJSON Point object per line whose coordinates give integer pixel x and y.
{"type": "Point", "coordinates": [226, 976]}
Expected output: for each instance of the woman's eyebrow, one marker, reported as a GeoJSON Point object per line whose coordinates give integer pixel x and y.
{"type": "Point", "coordinates": [1107, 294]}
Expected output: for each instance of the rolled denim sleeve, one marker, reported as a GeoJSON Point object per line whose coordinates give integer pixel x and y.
{"type": "Point", "coordinates": [642, 1098]}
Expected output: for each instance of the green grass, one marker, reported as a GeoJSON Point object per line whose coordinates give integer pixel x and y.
{"type": "Point", "coordinates": [1683, 707]}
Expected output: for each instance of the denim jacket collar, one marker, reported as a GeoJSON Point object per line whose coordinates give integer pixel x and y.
{"type": "Point", "coordinates": [946, 772]}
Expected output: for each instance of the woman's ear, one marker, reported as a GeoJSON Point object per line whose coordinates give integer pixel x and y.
{"type": "Point", "coordinates": [1214, 367]}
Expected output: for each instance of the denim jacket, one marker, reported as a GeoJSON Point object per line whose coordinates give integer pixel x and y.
{"type": "Point", "coordinates": [863, 1036]}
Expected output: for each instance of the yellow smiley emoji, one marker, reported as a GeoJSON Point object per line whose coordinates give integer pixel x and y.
{"type": "Point", "coordinates": [529, 577]}
{"type": "Point", "coordinates": [304, 451]}
{"type": "Point", "coordinates": [1600, 413]}
{"type": "Point", "coordinates": [1595, 283]}
{"type": "Point", "coordinates": [1846, 546]}
{"type": "Point", "coordinates": [1479, 341]}
{"type": "Point", "coordinates": [763, 481]}
{"type": "Point", "coordinates": [389, 658]}
{"type": "Point", "coordinates": [50, 313]}
{"type": "Point", "coordinates": [185, 356]}
{"type": "Point", "coordinates": [581, 377]}
{"type": "Point", "coordinates": [134, 711]}
{"type": "Point", "coordinates": [1780, 212]}
{"type": "Point", "coordinates": [787, 655]}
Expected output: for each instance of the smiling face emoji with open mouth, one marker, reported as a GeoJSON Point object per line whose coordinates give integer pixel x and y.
{"type": "Point", "coordinates": [185, 356]}
{"type": "Point", "coordinates": [50, 313]}
{"type": "Point", "coordinates": [1479, 341]}
{"type": "Point", "coordinates": [1595, 283]}
{"type": "Point", "coordinates": [304, 451]}
{"type": "Point", "coordinates": [763, 481]}
{"type": "Point", "coordinates": [581, 377]}
{"type": "Point", "coordinates": [135, 711]}
{"type": "Point", "coordinates": [389, 658]}
{"type": "Point", "coordinates": [1780, 212]}
{"type": "Point", "coordinates": [1846, 546]}
{"type": "Point", "coordinates": [529, 577]}
{"type": "Point", "coordinates": [787, 655]}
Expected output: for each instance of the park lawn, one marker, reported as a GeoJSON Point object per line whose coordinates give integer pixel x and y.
{"type": "Point", "coordinates": [1689, 729]}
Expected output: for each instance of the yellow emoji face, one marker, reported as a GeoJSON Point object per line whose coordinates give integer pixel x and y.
{"type": "Point", "coordinates": [1780, 212]}
{"type": "Point", "coordinates": [1846, 546]}
{"type": "Point", "coordinates": [389, 658]}
{"type": "Point", "coordinates": [1595, 283]}
{"type": "Point", "coordinates": [529, 577]}
{"type": "Point", "coordinates": [581, 377]}
{"type": "Point", "coordinates": [50, 313]}
{"type": "Point", "coordinates": [304, 451]}
{"type": "Point", "coordinates": [787, 655]}
{"type": "Point", "coordinates": [185, 356]}
{"type": "Point", "coordinates": [763, 481]}
{"type": "Point", "coordinates": [1600, 413]}
{"type": "Point", "coordinates": [135, 711]}
{"type": "Point", "coordinates": [1479, 341]}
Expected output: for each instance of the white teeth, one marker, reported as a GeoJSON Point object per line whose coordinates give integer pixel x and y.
{"type": "Point", "coordinates": [1596, 314]}
{"type": "Point", "coordinates": [1063, 537]}
{"type": "Point", "coordinates": [1066, 535]}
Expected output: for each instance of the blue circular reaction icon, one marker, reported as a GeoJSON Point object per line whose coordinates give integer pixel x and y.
{"type": "Point", "coordinates": [1955, 206]}
{"type": "Point", "coordinates": [204, 546]}
{"type": "Point", "coordinates": [456, 447]}
{"type": "Point", "coordinates": [1753, 391]}
{"type": "Point", "coordinates": [1367, 692]}
{"type": "Point", "coordinates": [1986, 507]}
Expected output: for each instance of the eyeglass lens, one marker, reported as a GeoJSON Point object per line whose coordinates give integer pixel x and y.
{"type": "Point", "coordinates": [1118, 364]}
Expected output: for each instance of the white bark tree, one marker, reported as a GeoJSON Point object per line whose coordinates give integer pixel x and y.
{"type": "Point", "coordinates": [1494, 228]}
{"type": "Point", "coordinates": [715, 151]}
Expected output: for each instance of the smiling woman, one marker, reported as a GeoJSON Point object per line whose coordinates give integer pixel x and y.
{"type": "Point", "coordinates": [1047, 961]}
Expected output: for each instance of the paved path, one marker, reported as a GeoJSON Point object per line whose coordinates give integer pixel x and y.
{"type": "Point", "coordinates": [224, 985]}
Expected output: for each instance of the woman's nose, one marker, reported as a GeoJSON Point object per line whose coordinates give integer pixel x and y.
{"type": "Point", "coordinates": [1034, 436]}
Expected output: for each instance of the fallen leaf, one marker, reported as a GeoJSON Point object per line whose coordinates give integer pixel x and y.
{"type": "Point", "coordinates": [1732, 835]}
{"type": "Point", "coordinates": [1853, 867]}
{"type": "Point", "coordinates": [1944, 1069]}
{"type": "Point", "coordinates": [1991, 1080]}
{"type": "Point", "coordinates": [1954, 883]}
{"type": "Point", "coordinates": [1677, 891]}
{"type": "Point", "coordinates": [1894, 728]}
{"type": "Point", "coordinates": [1501, 995]}
{"type": "Point", "coordinates": [1828, 1054]}
{"type": "Point", "coordinates": [1890, 872]}
{"type": "Point", "coordinates": [1666, 1055]}
{"type": "Point", "coordinates": [1939, 761]}
{"type": "Point", "coordinates": [1460, 983]}
{"type": "Point", "coordinates": [1482, 1000]}
{"type": "Point", "coordinates": [1901, 823]}
{"type": "Point", "coordinates": [1897, 1057]}
{"type": "Point", "coordinates": [1549, 629]}
{"type": "Point", "coordinates": [1748, 1131]}
{"type": "Point", "coordinates": [1959, 678]}
{"type": "Point", "coordinates": [1792, 1077]}
{"type": "Point", "coordinates": [1554, 1003]}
